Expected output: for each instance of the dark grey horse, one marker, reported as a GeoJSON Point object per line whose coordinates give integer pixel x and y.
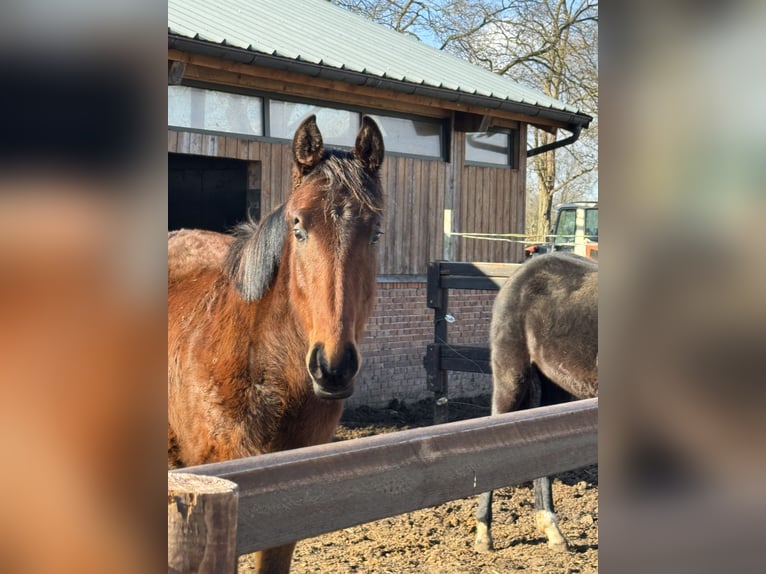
{"type": "Point", "coordinates": [544, 350]}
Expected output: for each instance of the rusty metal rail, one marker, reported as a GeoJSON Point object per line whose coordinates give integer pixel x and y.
{"type": "Point", "coordinates": [298, 494]}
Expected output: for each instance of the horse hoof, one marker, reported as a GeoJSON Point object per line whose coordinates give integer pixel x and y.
{"type": "Point", "coordinates": [483, 541]}
{"type": "Point", "coordinates": [558, 546]}
{"type": "Point", "coordinates": [482, 546]}
{"type": "Point", "coordinates": [548, 525]}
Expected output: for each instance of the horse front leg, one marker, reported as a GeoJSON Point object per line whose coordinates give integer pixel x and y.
{"type": "Point", "coordinates": [274, 560]}
{"type": "Point", "coordinates": [507, 392]}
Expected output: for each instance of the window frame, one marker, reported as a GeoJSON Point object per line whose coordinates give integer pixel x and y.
{"type": "Point", "coordinates": [267, 97]}
{"type": "Point", "coordinates": [513, 149]}
{"type": "Point", "coordinates": [212, 88]}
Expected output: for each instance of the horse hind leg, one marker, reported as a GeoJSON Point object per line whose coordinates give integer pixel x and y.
{"type": "Point", "coordinates": [544, 392]}
{"type": "Point", "coordinates": [545, 517]}
{"type": "Point", "coordinates": [483, 541]}
{"type": "Point", "coordinates": [274, 560]}
{"type": "Point", "coordinates": [508, 393]}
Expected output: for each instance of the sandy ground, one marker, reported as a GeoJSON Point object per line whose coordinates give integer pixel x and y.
{"type": "Point", "coordinates": [439, 540]}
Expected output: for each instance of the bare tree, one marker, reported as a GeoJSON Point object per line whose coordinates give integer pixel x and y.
{"type": "Point", "coordinates": [549, 45]}
{"type": "Point", "coordinates": [445, 24]}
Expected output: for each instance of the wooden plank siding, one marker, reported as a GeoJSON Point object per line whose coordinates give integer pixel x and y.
{"type": "Point", "coordinates": [488, 200]}
{"type": "Point", "coordinates": [492, 200]}
{"type": "Point", "coordinates": [491, 206]}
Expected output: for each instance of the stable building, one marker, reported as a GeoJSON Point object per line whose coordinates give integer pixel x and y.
{"type": "Point", "coordinates": [243, 75]}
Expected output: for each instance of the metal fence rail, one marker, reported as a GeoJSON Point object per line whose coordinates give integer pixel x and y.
{"type": "Point", "coordinates": [298, 494]}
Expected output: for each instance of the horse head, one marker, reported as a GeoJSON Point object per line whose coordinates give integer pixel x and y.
{"type": "Point", "coordinates": [323, 242]}
{"type": "Point", "coordinates": [334, 214]}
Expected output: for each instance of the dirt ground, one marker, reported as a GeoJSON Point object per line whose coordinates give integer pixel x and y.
{"type": "Point", "coordinates": [439, 539]}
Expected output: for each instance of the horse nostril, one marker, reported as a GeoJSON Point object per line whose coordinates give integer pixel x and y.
{"type": "Point", "coordinates": [343, 370]}
{"type": "Point", "coordinates": [315, 362]}
{"type": "Point", "coordinates": [351, 361]}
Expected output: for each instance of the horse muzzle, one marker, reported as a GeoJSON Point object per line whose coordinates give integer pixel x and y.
{"type": "Point", "coordinates": [333, 380]}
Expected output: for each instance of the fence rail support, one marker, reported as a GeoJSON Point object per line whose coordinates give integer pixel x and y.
{"type": "Point", "coordinates": [297, 494]}
{"type": "Point", "coordinates": [202, 524]}
{"type": "Point", "coordinates": [442, 357]}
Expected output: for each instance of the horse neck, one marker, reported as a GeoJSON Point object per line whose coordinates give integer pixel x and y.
{"type": "Point", "coordinates": [278, 350]}
{"type": "Point", "coordinates": [275, 334]}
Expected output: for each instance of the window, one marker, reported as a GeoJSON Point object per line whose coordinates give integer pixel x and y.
{"type": "Point", "coordinates": [565, 228]}
{"type": "Point", "coordinates": [214, 111]}
{"type": "Point", "coordinates": [412, 137]}
{"type": "Point", "coordinates": [591, 224]}
{"type": "Point", "coordinates": [201, 109]}
{"type": "Point", "coordinates": [490, 148]}
{"type": "Point", "coordinates": [206, 192]}
{"type": "Point", "coordinates": [338, 127]}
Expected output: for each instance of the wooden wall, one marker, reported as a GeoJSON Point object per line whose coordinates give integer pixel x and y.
{"type": "Point", "coordinates": [491, 200]}
{"type": "Point", "coordinates": [484, 200]}
{"type": "Point", "coordinates": [275, 160]}
{"type": "Point", "coordinates": [414, 209]}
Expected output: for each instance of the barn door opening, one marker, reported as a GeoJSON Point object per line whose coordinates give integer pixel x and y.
{"type": "Point", "coordinates": [211, 193]}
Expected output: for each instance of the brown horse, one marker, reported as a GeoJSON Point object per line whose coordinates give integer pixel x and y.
{"type": "Point", "coordinates": [263, 327]}
{"type": "Point", "coordinates": [544, 350]}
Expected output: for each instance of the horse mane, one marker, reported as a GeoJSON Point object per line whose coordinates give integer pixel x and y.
{"type": "Point", "coordinates": [254, 256]}
{"type": "Point", "coordinates": [342, 171]}
{"type": "Point", "coordinates": [256, 252]}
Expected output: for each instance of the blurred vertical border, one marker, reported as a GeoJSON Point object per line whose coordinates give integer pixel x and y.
{"type": "Point", "coordinates": [83, 211]}
{"type": "Point", "coordinates": [683, 307]}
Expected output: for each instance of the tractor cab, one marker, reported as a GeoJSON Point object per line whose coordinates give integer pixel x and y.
{"type": "Point", "coordinates": [575, 230]}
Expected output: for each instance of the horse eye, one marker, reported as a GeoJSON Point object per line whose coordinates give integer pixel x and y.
{"type": "Point", "coordinates": [375, 236]}
{"type": "Point", "coordinates": [300, 234]}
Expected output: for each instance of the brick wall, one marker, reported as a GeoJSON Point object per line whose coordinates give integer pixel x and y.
{"type": "Point", "coordinates": [395, 342]}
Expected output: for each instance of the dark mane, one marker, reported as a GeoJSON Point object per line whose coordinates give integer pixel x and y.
{"type": "Point", "coordinates": [254, 256]}
{"type": "Point", "coordinates": [340, 171]}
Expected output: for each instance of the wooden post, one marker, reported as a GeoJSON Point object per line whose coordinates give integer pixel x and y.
{"type": "Point", "coordinates": [202, 524]}
{"type": "Point", "coordinates": [438, 378]}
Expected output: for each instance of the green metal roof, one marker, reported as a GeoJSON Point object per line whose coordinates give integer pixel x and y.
{"type": "Point", "coordinates": [316, 37]}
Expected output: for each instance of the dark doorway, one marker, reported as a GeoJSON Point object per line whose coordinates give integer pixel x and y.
{"type": "Point", "coordinates": [207, 192]}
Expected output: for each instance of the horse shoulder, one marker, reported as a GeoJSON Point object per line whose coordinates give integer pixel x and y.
{"type": "Point", "coordinates": [207, 367]}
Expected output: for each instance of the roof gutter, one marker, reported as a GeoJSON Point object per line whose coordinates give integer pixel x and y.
{"type": "Point", "coordinates": [575, 121]}
{"type": "Point", "coordinates": [557, 144]}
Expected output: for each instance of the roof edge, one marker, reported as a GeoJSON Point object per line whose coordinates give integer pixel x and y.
{"type": "Point", "coordinates": [574, 120]}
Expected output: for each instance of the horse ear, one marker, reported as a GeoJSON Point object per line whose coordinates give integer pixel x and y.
{"type": "Point", "coordinates": [368, 148]}
{"type": "Point", "coordinates": [254, 256]}
{"type": "Point", "coordinates": [308, 147]}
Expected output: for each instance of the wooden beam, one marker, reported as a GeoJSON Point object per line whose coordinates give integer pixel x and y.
{"type": "Point", "coordinates": [467, 282]}
{"type": "Point", "coordinates": [305, 89]}
{"type": "Point", "coordinates": [175, 72]}
{"type": "Point", "coordinates": [383, 97]}
{"type": "Point", "coordinates": [463, 358]}
{"type": "Point", "coordinates": [297, 494]}
{"type": "Point", "coordinates": [477, 269]}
